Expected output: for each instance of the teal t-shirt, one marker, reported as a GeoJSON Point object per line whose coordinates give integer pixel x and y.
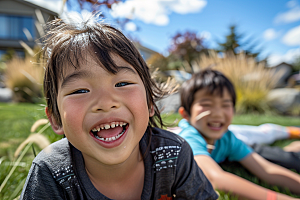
{"type": "Point", "coordinates": [228, 146]}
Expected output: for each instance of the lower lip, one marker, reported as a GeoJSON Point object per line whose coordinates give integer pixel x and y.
{"type": "Point", "coordinates": [111, 144]}
{"type": "Point", "coordinates": [215, 128]}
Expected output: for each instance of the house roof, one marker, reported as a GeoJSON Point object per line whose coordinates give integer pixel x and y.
{"type": "Point", "coordinates": [141, 47]}
{"type": "Point", "coordinates": [42, 5]}
{"type": "Point", "coordinates": [283, 63]}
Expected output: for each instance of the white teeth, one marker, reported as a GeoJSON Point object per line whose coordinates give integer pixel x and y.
{"type": "Point", "coordinates": [215, 124]}
{"type": "Point", "coordinates": [108, 126]}
{"type": "Point", "coordinates": [111, 138]}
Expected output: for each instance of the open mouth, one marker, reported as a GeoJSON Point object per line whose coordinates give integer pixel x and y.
{"type": "Point", "coordinates": [215, 124]}
{"type": "Point", "coordinates": [109, 132]}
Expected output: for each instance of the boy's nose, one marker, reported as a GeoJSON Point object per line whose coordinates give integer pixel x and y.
{"type": "Point", "coordinates": [216, 111]}
{"type": "Point", "coordinates": [105, 101]}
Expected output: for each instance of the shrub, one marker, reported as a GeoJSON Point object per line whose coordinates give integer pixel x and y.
{"type": "Point", "coordinates": [24, 77]}
{"type": "Point", "coordinates": [252, 80]}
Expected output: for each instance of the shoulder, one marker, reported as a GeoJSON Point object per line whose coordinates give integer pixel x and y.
{"type": "Point", "coordinates": [167, 149]}
{"type": "Point", "coordinates": [167, 140]}
{"type": "Point", "coordinates": [55, 156]}
{"type": "Point", "coordinates": [166, 136]}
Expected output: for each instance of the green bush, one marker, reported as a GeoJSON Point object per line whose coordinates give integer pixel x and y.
{"type": "Point", "coordinates": [24, 77]}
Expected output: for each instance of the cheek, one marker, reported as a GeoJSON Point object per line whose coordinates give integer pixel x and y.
{"type": "Point", "coordinates": [229, 114]}
{"type": "Point", "coordinates": [138, 101]}
{"type": "Point", "coordinates": [196, 110]}
{"type": "Point", "coordinates": [71, 113]}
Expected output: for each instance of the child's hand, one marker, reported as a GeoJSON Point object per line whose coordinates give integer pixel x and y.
{"type": "Point", "coordinates": [294, 146]}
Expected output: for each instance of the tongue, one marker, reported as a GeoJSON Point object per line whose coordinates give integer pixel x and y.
{"type": "Point", "coordinates": [107, 133]}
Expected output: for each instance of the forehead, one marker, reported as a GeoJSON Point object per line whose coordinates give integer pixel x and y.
{"type": "Point", "coordinates": [90, 62]}
{"type": "Point", "coordinates": [206, 94]}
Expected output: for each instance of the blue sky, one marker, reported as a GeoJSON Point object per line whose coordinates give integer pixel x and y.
{"type": "Point", "coordinates": [274, 24]}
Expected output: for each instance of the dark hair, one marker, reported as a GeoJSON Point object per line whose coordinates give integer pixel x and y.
{"type": "Point", "coordinates": [68, 45]}
{"type": "Point", "coordinates": [210, 80]}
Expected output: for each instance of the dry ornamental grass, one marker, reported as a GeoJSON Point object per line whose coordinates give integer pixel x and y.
{"type": "Point", "coordinates": [252, 80]}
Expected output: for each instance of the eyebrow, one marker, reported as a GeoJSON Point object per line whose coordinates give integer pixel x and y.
{"type": "Point", "coordinates": [88, 74]}
{"type": "Point", "coordinates": [74, 76]}
{"type": "Point", "coordinates": [208, 99]}
{"type": "Point", "coordinates": [227, 100]}
{"type": "Point", "coordinates": [125, 68]}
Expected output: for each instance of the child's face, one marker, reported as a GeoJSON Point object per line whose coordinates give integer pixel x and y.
{"type": "Point", "coordinates": [91, 99]}
{"type": "Point", "coordinates": [215, 124]}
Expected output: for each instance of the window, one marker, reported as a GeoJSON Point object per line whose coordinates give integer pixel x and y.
{"type": "Point", "coordinates": [12, 27]}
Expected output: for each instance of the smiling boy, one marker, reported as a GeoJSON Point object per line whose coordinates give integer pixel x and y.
{"type": "Point", "coordinates": [207, 106]}
{"type": "Point", "coordinates": [100, 95]}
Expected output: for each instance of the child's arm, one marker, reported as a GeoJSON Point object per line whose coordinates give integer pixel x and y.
{"type": "Point", "coordinates": [272, 173]}
{"type": "Point", "coordinates": [226, 181]}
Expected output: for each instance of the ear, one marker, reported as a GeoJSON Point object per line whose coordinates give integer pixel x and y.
{"type": "Point", "coordinates": [151, 111]}
{"type": "Point", "coordinates": [183, 113]}
{"type": "Point", "coordinates": [56, 128]}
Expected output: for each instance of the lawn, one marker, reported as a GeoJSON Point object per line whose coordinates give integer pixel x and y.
{"type": "Point", "coordinates": [17, 119]}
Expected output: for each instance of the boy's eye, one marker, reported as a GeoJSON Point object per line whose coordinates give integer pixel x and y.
{"type": "Point", "coordinates": [226, 105]}
{"type": "Point", "coordinates": [121, 84]}
{"type": "Point", "coordinates": [205, 105]}
{"type": "Point", "coordinates": [80, 91]}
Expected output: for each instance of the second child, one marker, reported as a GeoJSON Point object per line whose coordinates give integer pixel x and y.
{"type": "Point", "coordinates": [207, 106]}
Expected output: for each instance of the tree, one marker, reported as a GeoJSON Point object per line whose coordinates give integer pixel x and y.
{"type": "Point", "coordinates": [93, 4]}
{"type": "Point", "coordinates": [185, 47]}
{"type": "Point", "coordinates": [235, 43]}
{"type": "Point", "coordinates": [296, 64]}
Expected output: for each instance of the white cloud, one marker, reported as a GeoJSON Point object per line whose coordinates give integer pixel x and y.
{"type": "Point", "coordinates": [291, 4]}
{"type": "Point", "coordinates": [205, 34]}
{"type": "Point", "coordinates": [288, 57]}
{"type": "Point", "coordinates": [270, 34]}
{"type": "Point", "coordinates": [187, 6]}
{"type": "Point", "coordinates": [292, 37]}
{"type": "Point", "coordinates": [130, 26]}
{"type": "Point", "coordinates": [155, 11]}
{"type": "Point", "coordinates": [290, 16]}
{"type": "Point", "coordinates": [54, 5]}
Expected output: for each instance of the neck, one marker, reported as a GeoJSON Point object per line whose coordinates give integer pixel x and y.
{"type": "Point", "coordinates": [112, 173]}
{"type": "Point", "coordinates": [121, 181]}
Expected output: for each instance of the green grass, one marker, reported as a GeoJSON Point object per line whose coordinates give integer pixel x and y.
{"type": "Point", "coordinates": [17, 119]}
{"type": "Point", "coordinates": [236, 168]}
{"type": "Point", "coordinates": [15, 124]}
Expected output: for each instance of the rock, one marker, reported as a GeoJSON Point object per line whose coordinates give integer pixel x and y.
{"type": "Point", "coordinates": [5, 95]}
{"type": "Point", "coordinates": [169, 104]}
{"type": "Point", "coordinates": [284, 99]}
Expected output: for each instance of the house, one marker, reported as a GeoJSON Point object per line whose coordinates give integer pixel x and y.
{"type": "Point", "coordinates": [144, 51]}
{"type": "Point", "coordinates": [285, 71]}
{"type": "Point", "coordinates": [17, 22]}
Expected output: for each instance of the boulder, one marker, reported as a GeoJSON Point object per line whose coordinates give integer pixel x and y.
{"type": "Point", "coordinates": [169, 104]}
{"type": "Point", "coordinates": [5, 95]}
{"type": "Point", "coordinates": [284, 99]}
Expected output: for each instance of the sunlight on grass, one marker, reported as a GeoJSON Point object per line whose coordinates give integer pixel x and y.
{"type": "Point", "coordinates": [17, 123]}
